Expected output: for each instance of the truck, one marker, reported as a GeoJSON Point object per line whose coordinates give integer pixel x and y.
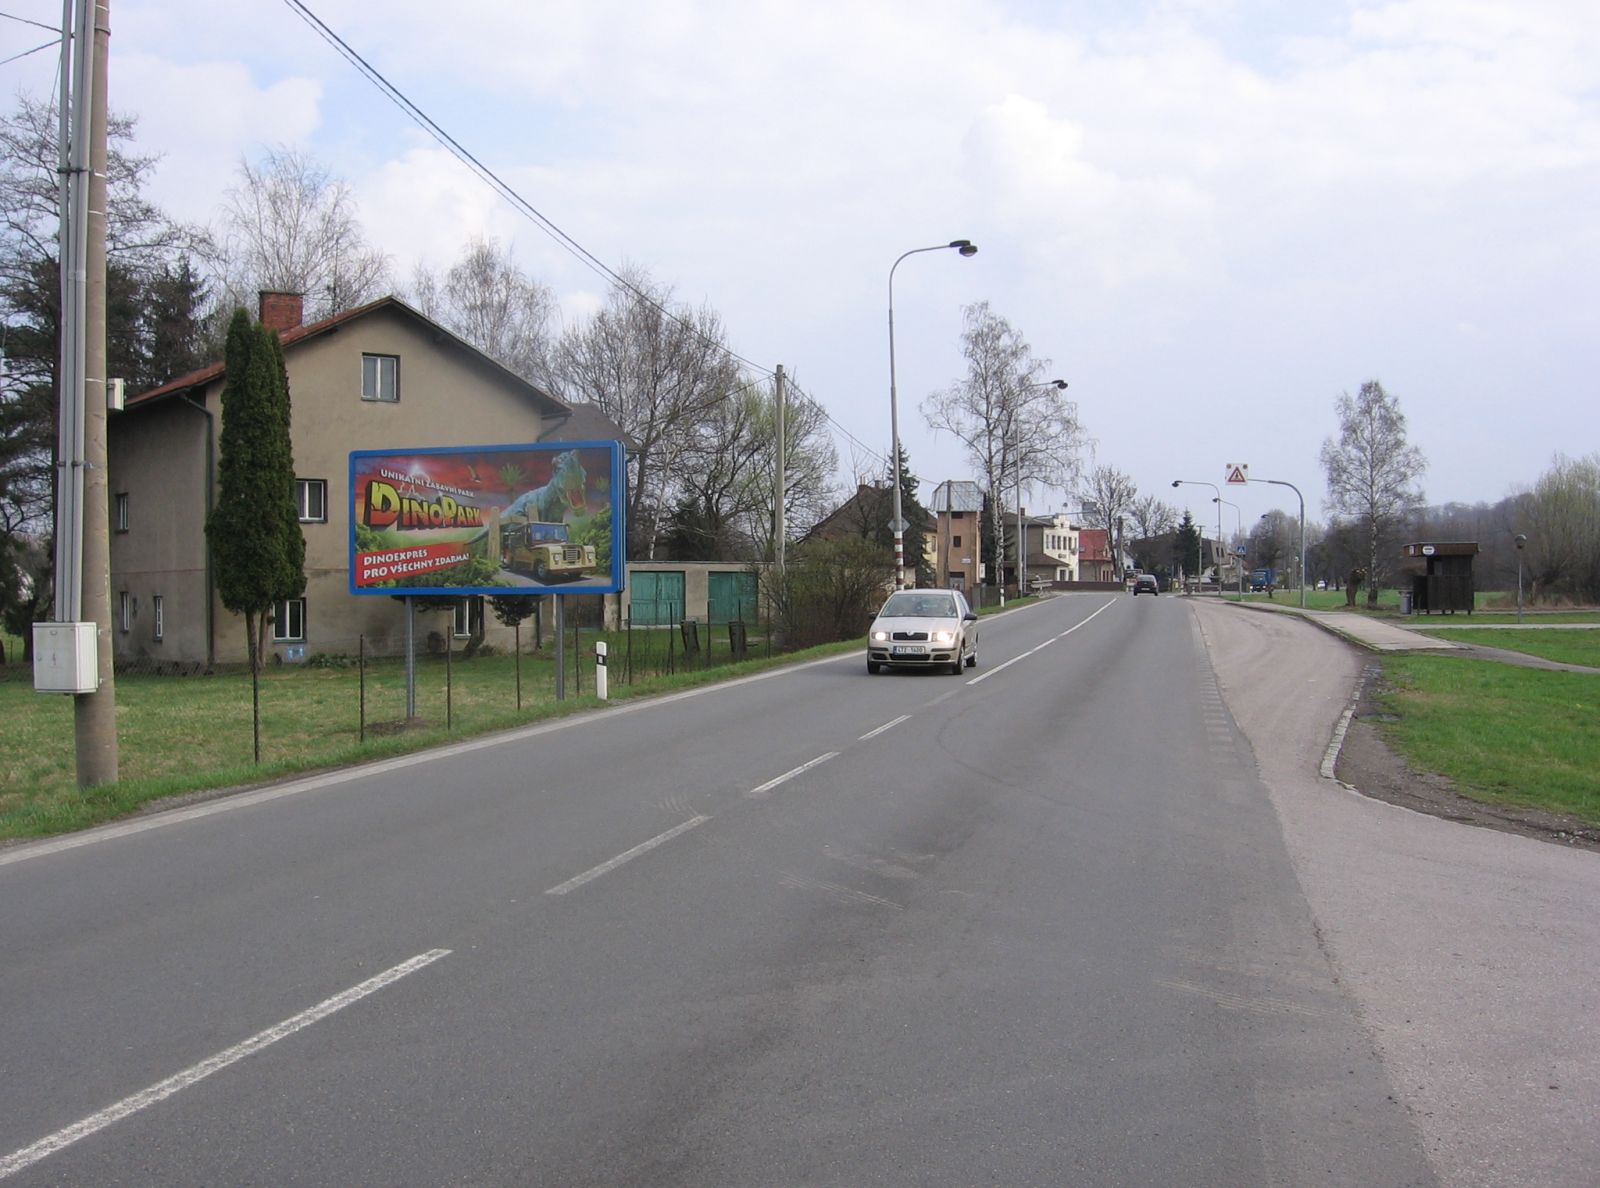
{"type": "Point", "coordinates": [1263, 579]}
{"type": "Point", "coordinates": [543, 550]}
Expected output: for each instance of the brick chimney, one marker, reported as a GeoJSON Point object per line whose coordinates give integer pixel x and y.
{"type": "Point", "coordinates": [282, 311]}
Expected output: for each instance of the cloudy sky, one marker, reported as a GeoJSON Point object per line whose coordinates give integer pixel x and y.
{"type": "Point", "coordinates": [1213, 216]}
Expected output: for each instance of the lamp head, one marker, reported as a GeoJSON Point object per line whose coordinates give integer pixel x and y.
{"type": "Point", "coordinates": [965, 246]}
{"type": "Point", "coordinates": [1521, 540]}
{"type": "Point", "coordinates": [1175, 482]}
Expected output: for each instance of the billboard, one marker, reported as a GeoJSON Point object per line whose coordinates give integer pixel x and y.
{"type": "Point", "coordinates": [504, 519]}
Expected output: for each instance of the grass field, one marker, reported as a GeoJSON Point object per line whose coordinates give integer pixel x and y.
{"type": "Point", "coordinates": [1502, 733]}
{"type": "Point", "coordinates": [1565, 647]}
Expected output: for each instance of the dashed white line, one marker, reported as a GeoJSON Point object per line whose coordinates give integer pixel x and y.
{"type": "Point", "coordinates": [61, 1139]}
{"type": "Point", "coordinates": [885, 726]}
{"type": "Point", "coordinates": [761, 790]}
{"type": "Point", "coordinates": [999, 668]}
{"type": "Point", "coordinates": [595, 872]}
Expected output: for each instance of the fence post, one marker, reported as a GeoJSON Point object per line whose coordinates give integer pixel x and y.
{"type": "Point", "coordinates": [449, 691]}
{"type": "Point", "coordinates": [361, 662]}
{"type": "Point", "coordinates": [516, 647]}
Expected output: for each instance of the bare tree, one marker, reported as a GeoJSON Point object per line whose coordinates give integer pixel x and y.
{"type": "Point", "coordinates": [289, 225]}
{"type": "Point", "coordinates": [1560, 517]}
{"type": "Point", "coordinates": [658, 372]}
{"type": "Point", "coordinates": [1017, 427]}
{"type": "Point", "coordinates": [491, 303]}
{"type": "Point", "coordinates": [1371, 470]}
{"type": "Point", "coordinates": [1151, 517]}
{"type": "Point", "coordinates": [1108, 496]}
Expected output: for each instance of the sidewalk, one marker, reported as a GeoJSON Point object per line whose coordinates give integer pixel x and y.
{"type": "Point", "coordinates": [1376, 635]}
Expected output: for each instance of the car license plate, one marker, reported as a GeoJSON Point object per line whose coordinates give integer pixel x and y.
{"type": "Point", "coordinates": [909, 649]}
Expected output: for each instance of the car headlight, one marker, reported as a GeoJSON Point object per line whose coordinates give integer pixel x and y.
{"type": "Point", "coordinates": [880, 636]}
{"type": "Point", "coordinates": [944, 637]}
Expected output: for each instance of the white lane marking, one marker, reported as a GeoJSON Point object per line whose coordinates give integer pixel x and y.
{"type": "Point", "coordinates": [595, 872]}
{"type": "Point", "coordinates": [28, 1156]}
{"type": "Point", "coordinates": [885, 726]}
{"type": "Point", "coordinates": [999, 668]}
{"type": "Point", "coordinates": [761, 790]}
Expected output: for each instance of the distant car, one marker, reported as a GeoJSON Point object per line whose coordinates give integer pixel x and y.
{"type": "Point", "coordinates": [1145, 583]}
{"type": "Point", "coordinates": [924, 629]}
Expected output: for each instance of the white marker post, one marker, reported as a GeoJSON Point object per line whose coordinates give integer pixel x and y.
{"type": "Point", "coordinates": [600, 670]}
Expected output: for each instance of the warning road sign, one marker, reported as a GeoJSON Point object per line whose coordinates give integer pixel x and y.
{"type": "Point", "coordinates": [1238, 472]}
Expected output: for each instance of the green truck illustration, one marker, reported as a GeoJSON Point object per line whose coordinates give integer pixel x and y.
{"type": "Point", "coordinates": [543, 550]}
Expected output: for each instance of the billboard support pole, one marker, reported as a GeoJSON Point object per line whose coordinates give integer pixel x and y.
{"type": "Point", "coordinates": [411, 658]}
{"type": "Point", "coordinates": [561, 651]}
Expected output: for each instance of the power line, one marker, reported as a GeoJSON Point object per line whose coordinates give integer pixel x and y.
{"type": "Point", "coordinates": [25, 53]}
{"type": "Point", "coordinates": [539, 219]}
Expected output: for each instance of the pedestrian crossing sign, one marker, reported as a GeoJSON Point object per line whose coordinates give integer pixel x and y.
{"type": "Point", "coordinates": [1238, 472]}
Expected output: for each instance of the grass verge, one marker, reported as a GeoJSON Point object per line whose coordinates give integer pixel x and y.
{"type": "Point", "coordinates": [1503, 734]}
{"type": "Point", "coordinates": [1564, 647]}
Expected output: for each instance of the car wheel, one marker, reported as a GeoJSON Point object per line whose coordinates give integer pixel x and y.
{"type": "Point", "coordinates": [972, 659]}
{"type": "Point", "coordinates": [541, 572]}
{"type": "Point", "coordinates": [872, 667]}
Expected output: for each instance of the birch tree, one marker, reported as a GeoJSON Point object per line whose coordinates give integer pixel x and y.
{"type": "Point", "coordinates": [1371, 470]}
{"type": "Point", "coordinates": [1017, 426]}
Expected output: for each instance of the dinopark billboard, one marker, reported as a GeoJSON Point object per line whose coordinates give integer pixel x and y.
{"type": "Point", "coordinates": [504, 519]}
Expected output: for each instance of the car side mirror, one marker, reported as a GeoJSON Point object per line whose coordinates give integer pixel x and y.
{"type": "Point", "coordinates": [969, 617]}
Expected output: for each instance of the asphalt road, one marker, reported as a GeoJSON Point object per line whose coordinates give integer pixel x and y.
{"type": "Point", "coordinates": [1042, 923]}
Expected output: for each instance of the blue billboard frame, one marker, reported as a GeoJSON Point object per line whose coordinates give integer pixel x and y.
{"type": "Point", "coordinates": [453, 512]}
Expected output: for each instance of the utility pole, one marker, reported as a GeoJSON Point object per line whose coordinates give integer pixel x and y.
{"type": "Point", "coordinates": [83, 538]}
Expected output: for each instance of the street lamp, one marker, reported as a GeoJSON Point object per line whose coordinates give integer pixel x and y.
{"type": "Point", "coordinates": [1022, 537]}
{"type": "Point", "coordinates": [1522, 543]}
{"type": "Point", "coordinates": [1302, 499]}
{"type": "Point", "coordinates": [966, 248]}
{"type": "Point", "coordinates": [1218, 502]}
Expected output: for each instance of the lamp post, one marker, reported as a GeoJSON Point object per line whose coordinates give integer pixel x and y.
{"type": "Point", "coordinates": [1238, 517]}
{"type": "Point", "coordinates": [1522, 543]}
{"type": "Point", "coordinates": [1218, 502]}
{"type": "Point", "coordinates": [1302, 499]}
{"type": "Point", "coordinates": [966, 248]}
{"type": "Point", "coordinates": [1022, 536]}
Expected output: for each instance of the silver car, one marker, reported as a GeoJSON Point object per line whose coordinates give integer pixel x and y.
{"type": "Point", "coordinates": [924, 629]}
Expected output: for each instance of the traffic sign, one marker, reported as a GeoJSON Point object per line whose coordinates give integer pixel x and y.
{"type": "Point", "coordinates": [1238, 473]}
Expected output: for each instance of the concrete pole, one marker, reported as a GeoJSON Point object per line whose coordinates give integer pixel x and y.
{"type": "Point", "coordinates": [95, 714]}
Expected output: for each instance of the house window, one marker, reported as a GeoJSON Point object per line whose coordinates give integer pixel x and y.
{"type": "Point", "coordinates": [157, 613]}
{"type": "Point", "coordinates": [380, 377]}
{"type": "Point", "coordinates": [311, 495]}
{"type": "Point", "coordinates": [468, 617]}
{"type": "Point", "coordinates": [955, 542]}
{"type": "Point", "coordinates": [289, 620]}
{"type": "Point", "coordinates": [125, 611]}
{"type": "Point", "coordinates": [119, 511]}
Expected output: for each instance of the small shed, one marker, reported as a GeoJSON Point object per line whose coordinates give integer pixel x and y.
{"type": "Point", "coordinates": [1440, 574]}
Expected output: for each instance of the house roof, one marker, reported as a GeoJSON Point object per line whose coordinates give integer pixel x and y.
{"type": "Point", "coordinates": [863, 513]}
{"type": "Point", "coordinates": [956, 495]}
{"type": "Point", "coordinates": [296, 335]}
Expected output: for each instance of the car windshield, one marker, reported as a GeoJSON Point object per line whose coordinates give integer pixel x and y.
{"type": "Point", "coordinates": [913, 604]}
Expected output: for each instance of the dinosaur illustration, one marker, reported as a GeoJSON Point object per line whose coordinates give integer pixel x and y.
{"type": "Point", "coordinates": [565, 493]}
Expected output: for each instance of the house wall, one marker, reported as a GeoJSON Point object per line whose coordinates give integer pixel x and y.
{"type": "Point", "coordinates": [158, 459]}
{"type": "Point", "coordinates": [448, 397]}
{"type": "Point", "coordinates": [957, 565]}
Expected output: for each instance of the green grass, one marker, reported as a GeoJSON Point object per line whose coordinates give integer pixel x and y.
{"type": "Point", "coordinates": [1565, 647]}
{"type": "Point", "coordinates": [1503, 734]}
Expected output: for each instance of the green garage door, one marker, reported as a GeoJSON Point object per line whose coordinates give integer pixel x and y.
{"type": "Point", "coordinates": [655, 596]}
{"type": "Point", "coordinates": [732, 596]}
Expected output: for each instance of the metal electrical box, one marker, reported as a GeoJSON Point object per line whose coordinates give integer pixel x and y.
{"type": "Point", "coordinates": [65, 659]}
